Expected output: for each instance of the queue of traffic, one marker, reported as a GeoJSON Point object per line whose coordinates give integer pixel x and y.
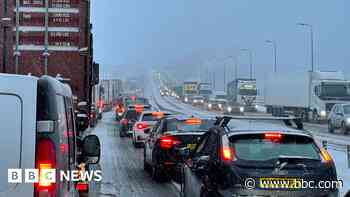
{"type": "Point", "coordinates": [229, 155]}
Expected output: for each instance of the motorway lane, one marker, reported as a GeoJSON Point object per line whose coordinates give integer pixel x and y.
{"type": "Point", "coordinates": [122, 166]}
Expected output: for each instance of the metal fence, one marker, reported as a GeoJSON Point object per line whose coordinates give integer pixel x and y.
{"type": "Point", "coordinates": [338, 147]}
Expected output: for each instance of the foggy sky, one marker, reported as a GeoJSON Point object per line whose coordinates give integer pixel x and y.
{"type": "Point", "coordinates": [131, 35]}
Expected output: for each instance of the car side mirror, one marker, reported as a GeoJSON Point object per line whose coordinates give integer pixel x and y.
{"type": "Point", "coordinates": [147, 130]}
{"type": "Point", "coordinates": [91, 148]}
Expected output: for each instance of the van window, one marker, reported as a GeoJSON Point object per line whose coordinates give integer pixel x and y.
{"type": "Point", "coordinates": [70, 131]}
{"type": "Point", "coordinates": [63, 134]}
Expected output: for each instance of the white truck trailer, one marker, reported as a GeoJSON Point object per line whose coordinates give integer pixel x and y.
{"type": "Point", "coordinates": [305, 94]}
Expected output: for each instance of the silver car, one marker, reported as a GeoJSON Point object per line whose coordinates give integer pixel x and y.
{"type": "Point", "coordinates": [339, 118]}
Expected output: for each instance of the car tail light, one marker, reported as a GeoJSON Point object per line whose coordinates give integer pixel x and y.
{"type": "Point", "coordinates": [141, 126]}
{"type": "Point", "coordinates": [167, 142]}
{"type": "Point", "coordinates": [124, 121]}
{"type": "Point", "coordinates": [45, 160]}
{"type": "Point", "coordinates": [227, 154]}
{"type": "Point", "coordinates": [82, 186]}
{"type": "Point", "coordinates": [274, 137]}
{"type": "Point", "coordinates": [326, 157]}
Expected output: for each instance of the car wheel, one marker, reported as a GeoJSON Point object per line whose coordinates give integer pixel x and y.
{"type": "Point", "coordinates": [146, 166]}
{"type": "Point", "coordinates": [159, 175]}
{"type": "Point", "coordinates": [330, 127]}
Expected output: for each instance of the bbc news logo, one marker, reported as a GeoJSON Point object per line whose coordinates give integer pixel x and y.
{"type": "Point", "coordinates": [49, 176]}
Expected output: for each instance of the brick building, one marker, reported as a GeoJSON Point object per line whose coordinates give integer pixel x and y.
{"type": "Point", "coordinates": [48, 36]}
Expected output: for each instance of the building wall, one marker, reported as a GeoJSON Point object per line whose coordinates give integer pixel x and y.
{"type": "Point", "coordinates": [68, 31]}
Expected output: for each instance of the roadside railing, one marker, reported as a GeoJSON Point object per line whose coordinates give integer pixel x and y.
{"type": "Point", "coordinates": [338, 147]}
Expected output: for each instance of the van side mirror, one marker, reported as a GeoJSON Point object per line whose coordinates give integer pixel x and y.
{"type": "Point", "coordinates": [91, 149]}
{"type": "Point", "coordinates": [147, 130]}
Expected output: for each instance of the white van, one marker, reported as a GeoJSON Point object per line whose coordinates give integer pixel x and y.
{"type": "Point", "coordinates": [38, 131]}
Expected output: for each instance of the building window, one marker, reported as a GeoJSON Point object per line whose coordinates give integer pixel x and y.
{"type": "Point", "coordinates": [61, 3]}
{"type": "Point", "coordinates": [33, 2]}
{"type": "Point", "coordinates": [61, 18]}
{"type": "Point", "coordinates": [5, 8]}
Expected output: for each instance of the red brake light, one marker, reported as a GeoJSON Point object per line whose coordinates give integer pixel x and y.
{"type": "Point", "coordinates": [141, 125]}
{"type": "Point", "coordinates": [45, 160]}
{"type": "Point", "coordinates": [227, 154]}
{"type": "Point", "coordinates": [167, 142]}
{"type": "Point", "coordinates": [82, 186]}
{"type": "Point", "coordinates": [274, 137]}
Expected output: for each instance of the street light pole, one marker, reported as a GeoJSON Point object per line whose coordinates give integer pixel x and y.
{"type": "Point", "coordinates": [311, 43]}
{"type": "Point", "coordinates": [274, 52]}
{"type": "Point", "coordinates": [250, 61]}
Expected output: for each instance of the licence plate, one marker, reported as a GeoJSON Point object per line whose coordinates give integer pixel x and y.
{"type": "Point", "coordinates": [191, 146]}
{"type": "Point", "coordinates": [280, 183]}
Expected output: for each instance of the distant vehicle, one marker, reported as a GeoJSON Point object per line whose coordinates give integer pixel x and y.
{"type": "Point", "coordinates": [217, 104]}
{"type": "Point", "coordinates": [167, 136]}
{"type": "Point", "coordinates": [198, 100]}
{"type": "Point", "coordinates": [205, 90]}
{"type": "Point", "coordinates": [242, 92]}
{"type": "Point", "coordinates": [41, 134]}
{"type": "Point", "coordinates": [134, 100]}
{"type": "Point", "coordinates": [339, 118]}
{"type": "Point", "coordinates": [93, 116]}
{"type": "Point", "coordinates": [293, 93]}
{"type": "Point", "coordinates": [256, 158]}
{"type": "Point", "coordinates": [190, 89]}
{"type": "Point", "coordinates": [128, 120]}
{"type": "Point", "coordinates": [146, 120]}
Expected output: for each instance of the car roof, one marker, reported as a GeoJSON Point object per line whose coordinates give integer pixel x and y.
{"type": "Point", "coordinates": [185, 117]}
{"type": "Point", "coordinates": [239, 127]}
{"type": "Point", "coordinates": [150, 112]}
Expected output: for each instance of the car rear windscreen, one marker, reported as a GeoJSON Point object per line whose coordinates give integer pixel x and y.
{"type": "Point", "coordinates": [261, 147]}
{"type": "Point", "coordinates": [132, 115]}
{"type": "Point", "coordinates": [149, 117]}
{"type": "Point", "coordinates": [180, 125]}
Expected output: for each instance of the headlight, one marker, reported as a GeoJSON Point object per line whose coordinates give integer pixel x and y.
{"type": "Point", "coordinates": [241, 109]}
{"type": "Point", "coordinates": [210, 105]}
{"type": "Point", "coordinates": [120, 114]}
{"type": "Point", "coordinates": [202, 101]}
{"type": "Point", "coordinates": [186, 99]}
{"type": "Point", "coordinates": [256, 106]}
{"type": "Point", "coordinates": [348, 121]}
{"type": "Point", "coordinates": [195, 101]}
{"type": "Point", "coordinates": [229, 109]}
{"type": "Point", "coordinates": [323, 113]}
{"type": "Point", "coordinates": [220, 105]}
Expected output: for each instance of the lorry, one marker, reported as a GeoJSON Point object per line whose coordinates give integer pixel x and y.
{"type": "Point", "coordinates": [205, 90]}
{"type": "Point", "coordinates": [309, 95]}
{"type": "Point", "coordinates": [242, 92]}
{"type": "Point", "coordinates": [190, 89]}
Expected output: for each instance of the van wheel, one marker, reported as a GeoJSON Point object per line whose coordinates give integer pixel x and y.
{"type": "Point", "coordinates": [330, 127]}
{"type": "Point", "coordinates": [146, 166]}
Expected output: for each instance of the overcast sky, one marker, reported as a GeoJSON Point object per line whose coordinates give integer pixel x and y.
{"type": "Point", "coordinates": [145, 33]}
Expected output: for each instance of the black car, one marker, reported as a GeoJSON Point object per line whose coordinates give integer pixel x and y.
{"type": "Point", "coordinates": [169, 135]}
{"type": "Point", "coordinates": [256, 158]}
{"type": "Point", "coordinates": [128, 121]}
